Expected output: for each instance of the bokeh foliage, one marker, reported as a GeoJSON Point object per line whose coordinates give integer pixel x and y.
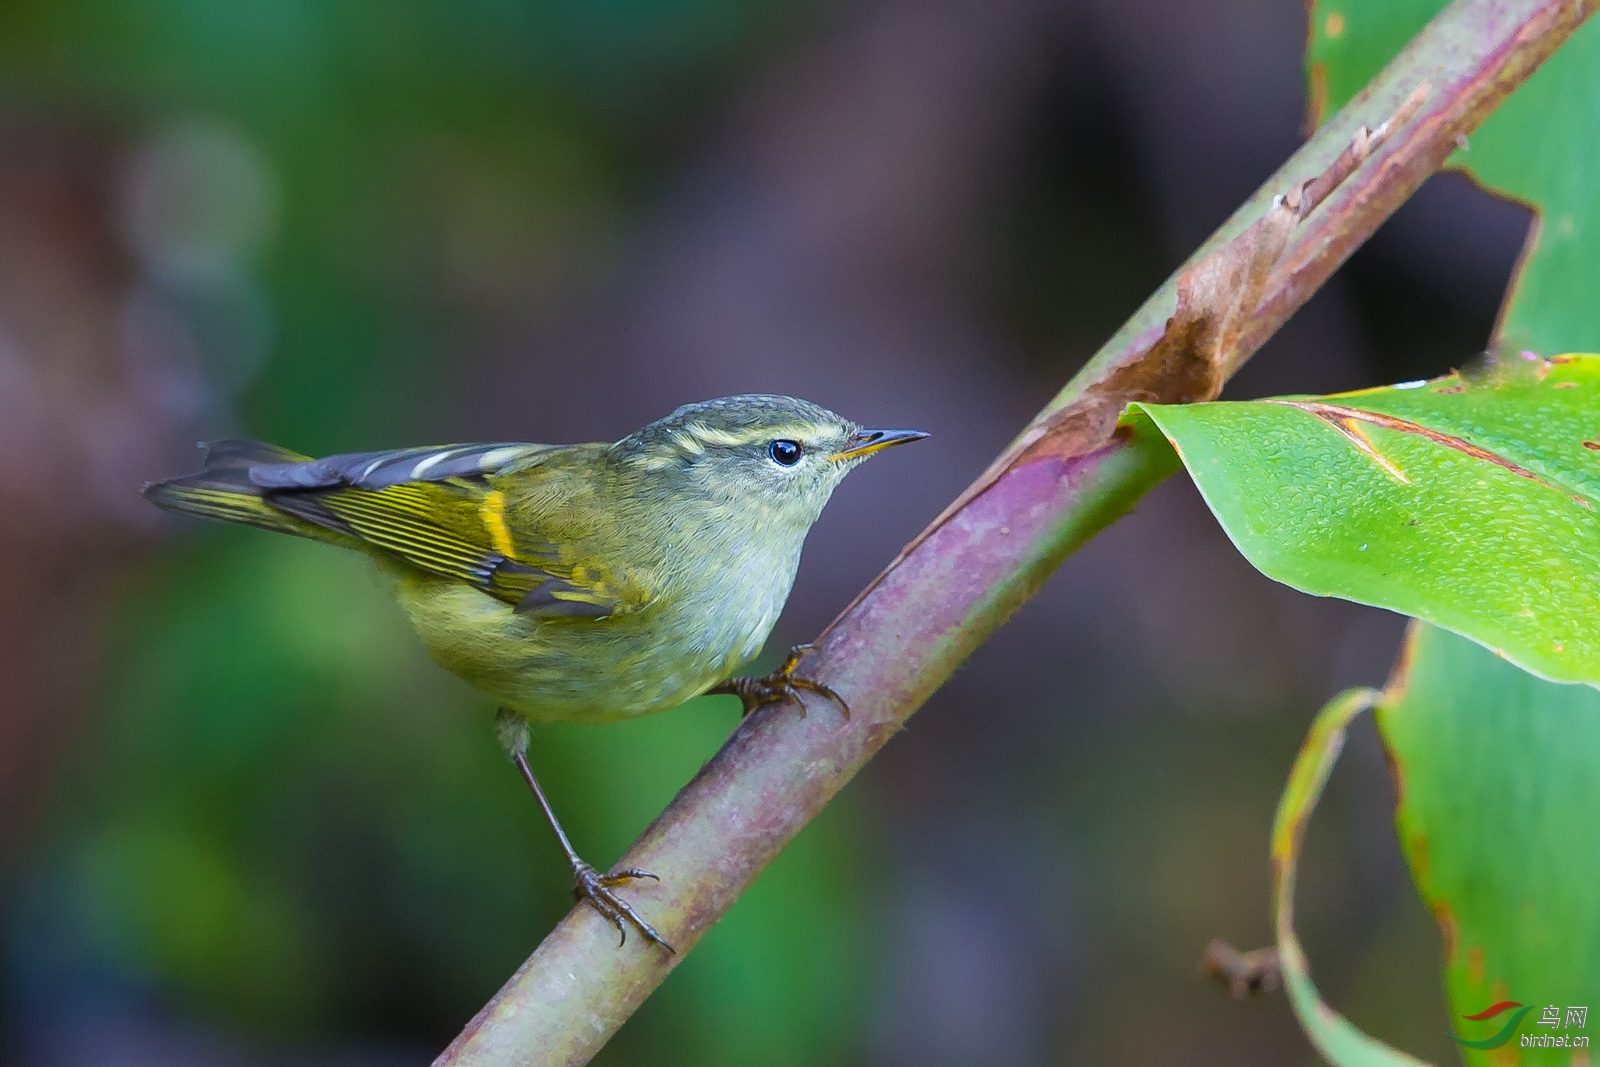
{"type": "Point", "coordinates": [286, 819]}
{"type": "Point", "coordinates": [293, 821]}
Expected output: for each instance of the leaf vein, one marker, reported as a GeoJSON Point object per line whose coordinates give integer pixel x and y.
{"type": "Point", "coordinates": [1346, 420]}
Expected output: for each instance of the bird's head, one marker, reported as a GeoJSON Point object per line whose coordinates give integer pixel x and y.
{"type": "Point", "coordinates": [772, 454]}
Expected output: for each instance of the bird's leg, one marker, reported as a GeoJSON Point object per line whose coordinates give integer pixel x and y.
{"type": "Point", "coordinates": [781, 684]}
{"type": "Point", "coordinates": [589, 884]}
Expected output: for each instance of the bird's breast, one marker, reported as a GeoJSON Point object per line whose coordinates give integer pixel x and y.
{"type": "Point", "coordinates": [706, 620]}
{"type": "Point", "coordinates": [734, 602]}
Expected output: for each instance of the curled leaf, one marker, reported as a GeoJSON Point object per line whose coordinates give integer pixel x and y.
{"type": "Point", "coordinates": [1335, 1036]}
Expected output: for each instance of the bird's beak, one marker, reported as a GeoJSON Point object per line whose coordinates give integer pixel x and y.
{"type": "Point", "coordinates": [864, 443]}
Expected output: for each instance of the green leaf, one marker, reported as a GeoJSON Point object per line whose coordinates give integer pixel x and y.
{"type": "Point", "coordinates": [1334, 1035]}
{"type": "Point", "coordinates": [1499, 799]}
{"type": "Point", "coordinates": [1539, 147]}
{"type": "Point", "coordinates": [1469, 504]}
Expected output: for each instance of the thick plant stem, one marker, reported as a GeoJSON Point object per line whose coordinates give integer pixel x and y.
{"type": "Point", "coordinates": [1068, 476]}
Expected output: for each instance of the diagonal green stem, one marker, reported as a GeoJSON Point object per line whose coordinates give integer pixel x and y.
{"type": "Point", "coordinates": [1067, 479]}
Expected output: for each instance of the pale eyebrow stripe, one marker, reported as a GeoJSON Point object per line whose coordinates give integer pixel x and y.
{"type": "Point", "coordinates": [711, 435]}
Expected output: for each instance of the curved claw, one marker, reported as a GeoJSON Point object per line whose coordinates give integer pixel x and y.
{"type": "Point", "coordinates": [596, 888]}
{"type": "Point", "coordinates": [781, 684]}
{"type": "Point", "coordinates": [821, 690]}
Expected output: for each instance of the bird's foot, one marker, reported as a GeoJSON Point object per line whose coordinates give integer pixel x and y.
{"type": "Point", "coordinates": [781, 684]}
{"type": "Point", "coordinates": [589, 884]}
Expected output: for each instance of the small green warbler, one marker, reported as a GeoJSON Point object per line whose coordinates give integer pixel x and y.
{"type": "Point", "coordinates": [582, 583]}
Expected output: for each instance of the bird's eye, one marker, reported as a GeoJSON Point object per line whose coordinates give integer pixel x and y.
{"type": "Point", "coordinates": [784, 453]}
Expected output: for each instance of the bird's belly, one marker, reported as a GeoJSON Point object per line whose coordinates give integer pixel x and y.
{"type": "Point", "coordinates": [590, 670]}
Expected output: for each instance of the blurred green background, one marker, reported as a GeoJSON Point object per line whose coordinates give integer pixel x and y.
{"type": "Point", "coordinates": [244, 821]}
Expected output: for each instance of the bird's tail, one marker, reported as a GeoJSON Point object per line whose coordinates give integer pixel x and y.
{"type": "Point", "coordinates": [224, 490]}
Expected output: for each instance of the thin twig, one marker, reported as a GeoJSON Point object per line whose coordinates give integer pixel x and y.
{"type": "Point", "coordinates": [1067, 477]}
{"type": "Point", "coordinates": [1242, 974]}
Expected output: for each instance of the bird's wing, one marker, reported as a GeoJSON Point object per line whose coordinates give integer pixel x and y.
{"type": "Point", "coordinates": [444, 510]}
